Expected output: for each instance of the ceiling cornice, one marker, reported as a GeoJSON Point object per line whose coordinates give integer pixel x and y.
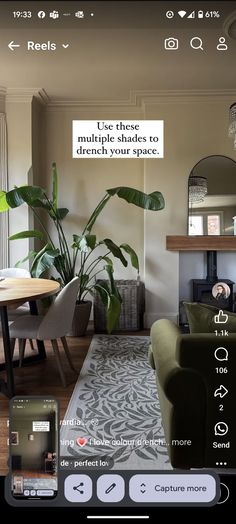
{"type": "Point", "coordinates": [139, 98]}
{"type": "Point", "coordinates": [136, 100]}
{"type": "Point", "coordinates": [25, 94]}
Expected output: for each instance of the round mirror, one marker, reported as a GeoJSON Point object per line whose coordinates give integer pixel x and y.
{"type": "Point", "coordinates": [212, 197]}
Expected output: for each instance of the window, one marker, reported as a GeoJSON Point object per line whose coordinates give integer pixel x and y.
{"type": "Point", "coordinates": [205, 223]}
{"type": "Point", "coordinates": [3, 186]}
{"type": "Point", "coordinates": [196, 225]}
{"type": "Point", "coordinates": [213, 224]}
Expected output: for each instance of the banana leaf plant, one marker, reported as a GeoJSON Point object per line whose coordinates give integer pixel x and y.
{"type": "Point", "coordinates": [77, 256]}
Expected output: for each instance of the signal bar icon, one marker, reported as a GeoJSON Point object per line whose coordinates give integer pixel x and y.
{"type": "Point", "coordinates": [192, 15]}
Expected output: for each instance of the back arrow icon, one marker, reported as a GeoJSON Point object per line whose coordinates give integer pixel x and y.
{"type": "Point", "coordinates": [12, 45]}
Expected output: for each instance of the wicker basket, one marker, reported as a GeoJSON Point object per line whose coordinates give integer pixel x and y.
{"type": "Point", "coordinates": [132, 308]}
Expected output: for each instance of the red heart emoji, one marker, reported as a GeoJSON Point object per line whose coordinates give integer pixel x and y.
{"type": "Point", "coordinates": [81, 441]}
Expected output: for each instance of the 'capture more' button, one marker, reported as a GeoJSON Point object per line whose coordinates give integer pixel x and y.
{"type": "Point", "coordinates": [174, 488]}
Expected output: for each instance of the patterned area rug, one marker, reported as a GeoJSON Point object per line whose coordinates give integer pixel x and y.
{"type": "Point", "coordinates": [114, 411]}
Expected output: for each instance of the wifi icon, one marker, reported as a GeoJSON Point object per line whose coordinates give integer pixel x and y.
{"type": "Point", "coordinates": [182, 13]}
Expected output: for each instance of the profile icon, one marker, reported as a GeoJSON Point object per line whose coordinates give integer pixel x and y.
{"type": "Point", "coordinates": [222, 46]}
{"type": "Point", "coordinates": [221, 291]}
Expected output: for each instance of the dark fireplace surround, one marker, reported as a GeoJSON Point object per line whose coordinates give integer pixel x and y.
{"type": "Point", "coordinates": [202, 289]}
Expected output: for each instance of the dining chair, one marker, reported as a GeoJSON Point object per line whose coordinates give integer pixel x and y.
{"type": "Point", "coordinates": [22, 308]}
{"type": "Point", "coordinates": [55, 324]}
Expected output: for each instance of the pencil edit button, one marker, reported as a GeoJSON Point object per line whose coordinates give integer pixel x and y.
{"type": "Point", "coordinates": [173, 488]}
{"type": "Point", "coordinates": [110, 488]}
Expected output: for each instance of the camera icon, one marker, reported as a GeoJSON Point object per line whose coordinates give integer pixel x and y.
{"type": "Point", "coordinates": [171, 44]}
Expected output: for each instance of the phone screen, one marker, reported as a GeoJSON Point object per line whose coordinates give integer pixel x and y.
{"type": "Point", "coordinates": [33, 446]}
{"type": "Point", "coordinates": [117, 255]}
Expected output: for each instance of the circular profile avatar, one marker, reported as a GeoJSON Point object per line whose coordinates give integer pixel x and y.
{"type": "Point", "coordinates": [221, 291]}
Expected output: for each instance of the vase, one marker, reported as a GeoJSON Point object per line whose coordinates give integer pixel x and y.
{"type": "Point", "coordinates": [80, 319]}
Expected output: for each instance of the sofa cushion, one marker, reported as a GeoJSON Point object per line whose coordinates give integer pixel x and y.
{"type": "Point", "coordinates": [201, 318]}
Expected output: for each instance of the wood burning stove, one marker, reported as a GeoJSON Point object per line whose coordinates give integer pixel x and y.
{"type": "Point", "coordinates": [202, 288]}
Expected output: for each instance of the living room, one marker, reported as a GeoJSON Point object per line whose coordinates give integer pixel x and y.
{"type": "Point", "coordinates": [122, 74]}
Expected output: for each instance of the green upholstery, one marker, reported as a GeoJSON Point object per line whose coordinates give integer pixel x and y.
{"type": "Point", "coordinates": [201, 318]}
{"type": "Point", "coordinates": [183, 365]}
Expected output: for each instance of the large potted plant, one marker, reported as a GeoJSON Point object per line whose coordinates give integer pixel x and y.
{"type": "Point", "coordinates": [80, 255]}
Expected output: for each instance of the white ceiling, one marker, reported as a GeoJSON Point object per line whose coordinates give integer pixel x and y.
{"type": "Point", "coordinates": [107, 63]}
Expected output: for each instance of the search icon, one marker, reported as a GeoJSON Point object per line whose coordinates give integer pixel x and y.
{"type": "Point", "coordinates": [196, 43]}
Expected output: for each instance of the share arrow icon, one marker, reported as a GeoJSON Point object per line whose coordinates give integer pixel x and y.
{"type": "Point", "coordinates": [221, 391]}
{"type": "Point", "coordinates": [12, 46]}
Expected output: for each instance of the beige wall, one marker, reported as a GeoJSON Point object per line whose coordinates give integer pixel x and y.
{"type": "Point", "coordinates": [38, 152]}
{"type": "Point", "coordinates": [19, 161]}
{"type": "Point", "coordinates": [82, 183]}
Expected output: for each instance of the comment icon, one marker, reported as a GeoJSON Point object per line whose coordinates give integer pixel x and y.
{"type": "Point", "coordinates": [221, 354]}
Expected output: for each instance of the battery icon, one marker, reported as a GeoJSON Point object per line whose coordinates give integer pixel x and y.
{"type": "Point", "coordinates": [200, 14]}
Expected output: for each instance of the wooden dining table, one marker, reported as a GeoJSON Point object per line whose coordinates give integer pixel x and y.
{"type": "Point", "coordinates": [15, 291]}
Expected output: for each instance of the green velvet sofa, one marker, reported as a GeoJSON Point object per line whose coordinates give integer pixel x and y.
{"type": "Point", "coordinates": [186, 380]}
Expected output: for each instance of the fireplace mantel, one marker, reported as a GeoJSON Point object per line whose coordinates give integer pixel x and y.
{"type": "Point", "coordinates": [201, 243]}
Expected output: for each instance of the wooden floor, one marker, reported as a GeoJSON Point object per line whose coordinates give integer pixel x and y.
{"type": "Point", "coordinates": [30, 474]}
{"type": "Point", "coordinates": [42, 378]}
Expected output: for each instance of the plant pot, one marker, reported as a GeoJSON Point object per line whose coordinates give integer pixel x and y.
{"type": "Point", "coordinates": [80, 319]}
